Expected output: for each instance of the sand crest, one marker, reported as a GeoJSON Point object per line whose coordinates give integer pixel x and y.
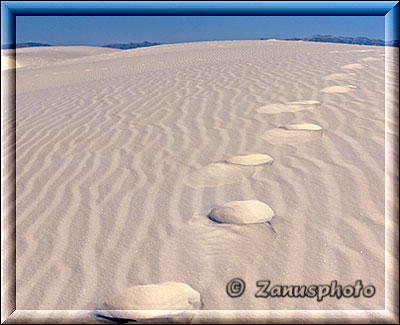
{"type": "Point", "coordinates": [217, 174]}
{"type": "Point", "coordinates": [251, 160]}
{"type": "Point", "coordinates": [242, 212]}
{"type": "Point", "coordinates": [293, 134]}
{"type": "Point", "coordinates": [277, 108]}
{"type": "Point", "coordinates": [338, 89]}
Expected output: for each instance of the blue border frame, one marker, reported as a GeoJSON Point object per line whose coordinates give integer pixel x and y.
{"type": "Point", "coordinates": [11, 9]}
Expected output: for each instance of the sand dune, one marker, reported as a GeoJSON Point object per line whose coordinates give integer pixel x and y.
{"type": "Point", "coordinates": [121, 156]}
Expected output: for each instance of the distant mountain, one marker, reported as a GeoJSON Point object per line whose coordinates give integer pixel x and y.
{"type": "Point", "coordinates": [345, 40]}
{"type": "Point", "coordinates": [19, 45]}
{"type": "Point", "coordinates": [127, 46]}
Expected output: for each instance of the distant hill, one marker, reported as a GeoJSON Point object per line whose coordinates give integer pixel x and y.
{"type": "Point", "coordinates": [19, 45]}
{"type": "Point", "coordinates": [127, 46]}
{"type": "Point", "coordinates": [345, 40]}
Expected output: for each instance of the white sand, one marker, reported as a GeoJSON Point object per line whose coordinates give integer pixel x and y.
{"type": "Point", "coordinates": [116, 152]}
{"type": "Point", "coordinates": [242, 212]}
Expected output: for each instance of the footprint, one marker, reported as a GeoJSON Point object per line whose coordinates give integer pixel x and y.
{"type": "Point", "coordinates": [293, 134]}
{"type": "Point", "coordinates": [337, 76]}
{"type": "Point", "coordinates": [338, 89]}
{"type": "Point", "coordinates": [251, 160]}
{"type": "Point", "coordinates": [166, 300]}
{"type": "Point", "coordinates": [217, 174]}
{"type": "Point", "coordinates": [277, 108]}
{"type": "Point", "coordinates": [242, 212]}
{"type": "Point", "coordinates": [369, 59]}
{"type": "Point", "coordinates": [303, 127]}
{"type": "Point", "coordinates": [61, 72]}
{"type": "Point", "coordinates": [353, 66]}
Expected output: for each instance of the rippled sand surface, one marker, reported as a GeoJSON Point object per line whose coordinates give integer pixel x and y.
{"type": "Point", "coordinates": [107, 141]}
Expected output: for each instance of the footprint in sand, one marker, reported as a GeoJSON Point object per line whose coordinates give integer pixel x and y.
{"type": "Point", "coordinates": [233, 170]}
{"type": "Point", "coordinates": [369, 59]}
{"type": "Point", "coordinates": [163, 299]}
{"type": "Point", "coordinates": [217, 174]}
{"type": "Point", "coordinates": [277, 108]}
{"type": "Point", "coordinates": [353, 66]}
{"type": "Point", "coordinates": [338, 76]}
{"type": "Point", "coordinates": [251, 160]}
{"type": "Point", "coordinates": [338, 89]}
{"type": "Point", "coordinates": [242, 213]}
{"type": "Point", "coordinates": [293, 134]}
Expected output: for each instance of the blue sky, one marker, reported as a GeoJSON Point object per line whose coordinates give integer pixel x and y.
{"type": "Point", "coordinates": [100, 30]}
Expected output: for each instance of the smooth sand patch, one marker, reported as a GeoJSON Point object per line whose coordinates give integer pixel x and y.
{"type": "Point", "coordinates": [242, 212]}
{"type": "Point", "coordinates": [217, 174]}
{"type": "Point", "coordinates": [277, 108]}
{"type": "Point", "coordinates": [338, 89]}
{"type": "Point", "coordinates": [353, 66]}
{"type": "Point", "coordinates": [337, 76]}
{"type": "Point", "coordinates": [293, 134]}
{"type": "Point", "coordinates": [162, 296]}
{"type": "Point", "coordinates": [251, 160]}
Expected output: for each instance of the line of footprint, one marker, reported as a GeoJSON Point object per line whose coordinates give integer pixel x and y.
{"type": "Point", "coordinates": [180, 296]}
{"type": "Point", "coordinates": [235, 169]}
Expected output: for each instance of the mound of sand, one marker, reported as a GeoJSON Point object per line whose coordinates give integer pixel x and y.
{"type": "Point", "coordinates": [162, 296]}
{"type": "Point", "coordinates": [277, 108]}
{"type": "Point", "coordinates": [217, 174]}
{"type": "Point", "coordinates": [338, 89]}
{"type": "Point", "coordinates": [251, 160]}
{"type": "Point", "coordinates": [293, 134]}
{"type": "Point", "coordinates": [242, 212]}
